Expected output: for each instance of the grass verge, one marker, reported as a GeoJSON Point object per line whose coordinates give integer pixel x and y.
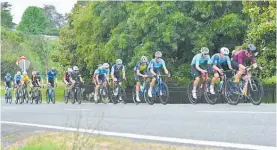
{"type": "Point", "coordinates": [69, 141]}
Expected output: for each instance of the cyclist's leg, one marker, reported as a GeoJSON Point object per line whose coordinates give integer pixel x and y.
{"type": "Point", "coordinates": [97, 88]}
{"type": "Point", "coordinates": [151, 83]}
{"type": "Point", "coordinates": [215, 77]}
{"type": "Point", "coordinates": [195, 74]}
{"type": "Point", "coordinates": [235, 66]}
{"type": "Point", "coordinates": [137, 78]}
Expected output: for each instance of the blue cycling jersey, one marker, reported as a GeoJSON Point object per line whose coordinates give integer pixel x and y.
{"type": "Point", "coordinates": [8, 78]}
{"type": "Point", "coordinates": [198, 59]}
{"type": "Point", "coordinates": [116, 70]}
{"type": "Point", "coordinates": [217, 60]}
{"type": "Point", "coordinates": [101, 71]}
{"type": "Point", "coordinates": [17, 77]}
{"type": "Point", "coordinates": [155, 65]}
{"type": "Point", "coordinates": [51, 75]}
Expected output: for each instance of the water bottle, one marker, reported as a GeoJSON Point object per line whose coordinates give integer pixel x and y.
{"type": "Point", "coordinates": [220, 84]}
{"type": "Point", "coordinates": [141, 88]}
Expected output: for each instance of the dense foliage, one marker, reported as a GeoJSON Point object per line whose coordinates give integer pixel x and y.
{"type": "Point", "coordinates": [6, 17]}
{"type": "Point", "coordinates": [98, 32]}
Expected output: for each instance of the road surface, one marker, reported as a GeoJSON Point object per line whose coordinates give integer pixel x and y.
{"type": "Point", "coordinates": [242, 126]}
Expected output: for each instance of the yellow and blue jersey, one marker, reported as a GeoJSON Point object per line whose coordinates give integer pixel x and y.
{"type": "Point", "coordinates": [142, 67]}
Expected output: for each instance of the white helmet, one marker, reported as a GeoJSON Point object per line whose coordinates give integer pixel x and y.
{"type": "Point", "coordinates": [18, 73]}
{"type": "Point", "coordinates": [34, 72]}
{"type": "Point", "coordinates": [106, 65]}
{"type": "Point", "coordinates": [143, 59]}
{"type": "Point", "coordinates": [69, 70]}
{"type": "Point", "coordinates": [24, 73]}
{"type": "Point", "coordinates": [158, 54]}
{"type": "Point", "coordinates": [224, 50]}
{"type": "Point", "coordinates": [118, 61]}
{"type": "Point", "coordinates": [204, 50]}
{"type": "Point", "coordinates": [75, 68]}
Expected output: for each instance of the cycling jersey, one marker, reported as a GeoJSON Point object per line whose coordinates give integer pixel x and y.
{"type": "Point", "coordinates": [102, 71]}
{"type": "Point", "coordinates": [75, 76]}
{"type": "Point", "coordinates": [17, 78]}
{"type": "Point", "coordinates": [25, 79]}
{"type": "Point", "coordinates": [217, 60]}
{"type": "Point", "coordinates": [51, 76]}
{"type": "Point", "coordinates": [241, 58]}
{"type": "Point", "coordinates": [117, 70]}
{"type": "Point", "coordinates": [198, 59]}
{"type": "Point", "coordinates": [142, 67]}
{"type": "Point", "coordinates": [8, 78]}
{"type": "Point", "coordinates": [155, 65]}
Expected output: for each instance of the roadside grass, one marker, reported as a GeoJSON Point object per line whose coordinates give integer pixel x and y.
{"type": "Point", "coordinates": [70, 141]}
{"type": "Point", "coordinates": [271, 80]}
{"type": "Point", "coordinates": [10, 136]}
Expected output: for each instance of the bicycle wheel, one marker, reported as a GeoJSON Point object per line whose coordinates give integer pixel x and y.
{"type": "Point", "coordinates": [79, 96]}
{"type": "Point", "coordinates": [10, 98]}
{"type": "Point", "coordinates": [104, 95]}
{"type": "Point", "coordinates": [163, 93]}
{"type": "Point", "coordinates": [113, 96]}
{"type": "Point", "coordinates": [209, 97]}
{"type": "Point", "coordinates": [73, 97]}
{"type": "Point", "coordinates": [122, 94]}
{"type": "Point", "coordinates": [32, 97]}
{"type": "Point", "coordinates": [149, 100]}
{"type": "Point", "coordinates": [189, 92]}
{"type": "Point", "coordinates": [65, 96]}
{"type": "Point", "coordinates": [255, 91]}
{"type": "Point", "coordinates": [20, 98]}
{"type": "Point", "coordinates": [27, 97]}
{"type": "Point", "coordinates": [232, 92]}
{"type": "Point", "coordinates": [6, 98]}
{"type": "Point", "coordinates": [47, 96]}
{"type": "Point", "coordinates": [134, 95]}
{"type": "Point", "coordinates": [53, 97]}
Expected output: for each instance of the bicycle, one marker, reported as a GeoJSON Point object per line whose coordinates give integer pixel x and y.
{"type": "Point", "coordinates": [76, 94]}
{"type": "Point", "coordinates": [142, 91]}
{"type": "Point", "coordinates": [248, 87]}
{"type": "Point", "coordinates": [25, 93]}
{"type": "Point", "coordinates": [36, 95]}
{"type": "Point", "coordinates": [50, 94]}
{"type": "Point", "coordinates": [201, 88]}
{"type": "Point", "coordinates": [158, 91]}
{"type": "Point", "coordinates": [219, 89]}
{"type": "Point", "coordinates": [121, 94]}
{"type": "Point", "coordinates": [103, 94]}
{"type": "Point", "coordinates": [18, 95]}
{"type": "Point", "coordinates": [66, 94]}
{"type": "Point", "coordinates": [8, 95]}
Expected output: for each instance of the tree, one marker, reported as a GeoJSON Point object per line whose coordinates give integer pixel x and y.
{"type": "Point", "coordinates": [34, 21]}
{"type": "Point", "coordinates": [6, 17]}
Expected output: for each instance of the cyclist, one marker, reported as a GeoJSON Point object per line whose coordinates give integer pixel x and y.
{"type": "Point", "coordinates": [17, 81]}
{"type": "Point", "coordinates": [66, 77]}
{"type": "Point", "coordinates": [93, 77]}
{"type": "Point", "coordinates": [75, 76]}
{"type": "Point", "coordinates": [52, 76]}
{"type": "Point", "coordinates": [140, 72]}
{"type": "Point", "coordinates": [153, 69]}
{"type": "Point", "coordinates": [35, 79]}
{"type": "Point", "coordinates": [101, 75]}
{"type": "Point", "coordinates": [215, 65]}
{"type": "Point", "coordinates": [25, 79]}
{"type": "Point", "coordinates": [115, 74]}
{"type": "Point", "coordinates": [197, 68]}
{"type": "Point", "coordinates": [241, 57]}
{"type": "Point", "coordinates": [7, 82]}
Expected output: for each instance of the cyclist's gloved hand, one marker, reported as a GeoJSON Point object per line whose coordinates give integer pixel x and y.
{"type": "Point", "coordinates": [203, 71]}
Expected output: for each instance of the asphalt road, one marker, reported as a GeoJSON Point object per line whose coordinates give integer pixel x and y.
{"type": "Point", "coordinates": [241, 124]}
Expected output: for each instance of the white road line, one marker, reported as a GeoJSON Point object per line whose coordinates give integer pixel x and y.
{"type": "Point", "coordinates": [147, 137]}
{"type": "Point", "coordinates": [77, 109]}
{"type": "Point", "coordinates": [240, 112]}
{"type": "Point", "coordinates": [7, 107]}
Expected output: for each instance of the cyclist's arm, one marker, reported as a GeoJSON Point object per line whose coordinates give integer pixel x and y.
{"type": "Point", "coordinates": [112, 72]}
{"type": "Point", "coordinates": [97, 79]}
{"type": "Point", "coordinates": [164, 67]}
{"type": "Point", "coordinates": [151, 69]}
{"type": "Point", "coordinates": [123, 70]}
{"type": "Point", "coordinates": [81, 79]}
{"type": "Point", "coordinates": [229, 63]}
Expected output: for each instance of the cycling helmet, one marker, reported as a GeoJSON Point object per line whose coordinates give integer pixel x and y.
{"type": "Point", "coordinates": [224, 50]}
{"type": "Point", "coordinates": [53, 69]}
{"type": "Point", "coordinates": [143, 59]}
{"type": "Point", "coordinates": [75, 68]}
{"type": "Point", "coordinates": [8, 74]}
{"type": "Point", "coordinates": [204, 51]}
{"type": "Point", "coordinates": [34, 72]}
{"type": "Point", "coordinates": [25, 73]}
{"type": "Point", "coordinates": [158, 54]}
{"type": "Point", "coordinates": [251, 48]}
{"type": "Point", "coordinates": [18, 73]}
{"type": "Point", "coordinates": [118, 61]}
{"type": "Point", "coordinates": [69, 70]}
{"type": "Point", "coordinates": [106, 65]}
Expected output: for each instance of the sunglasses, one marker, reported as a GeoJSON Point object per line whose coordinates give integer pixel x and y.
{"type": "Point", "coordinates": [205, 54]}
{"type": "Point", "coordinates": [226, 55]}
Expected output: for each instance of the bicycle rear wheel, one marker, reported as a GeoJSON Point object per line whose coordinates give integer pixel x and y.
{"type": "Point", "coordinates": [79, 96]}
{"type": "Point", "coordinates": [122, 94]}
{"type": "Point", "coordinates": [256, 91]}
{"type": "Point", "coordinates": [53, 97]}
{"type": "Point", "coordinates": [232, 92]}
{"type": "Point", "coordinates": [163, 94]}
{"type": "Point", "coordinates": [65, 96]}
{"type": "Point", "coordinates": [47, 96]}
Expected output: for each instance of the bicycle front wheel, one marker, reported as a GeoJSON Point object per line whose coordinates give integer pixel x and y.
{"type": "Point", "coordinates": [211, 98]}
{"type": "Point", "coordinates": [122, 94]}
{"type": "Point", "coordinates": [104, 94]}
{"type": "Point", "coordinates": [65, 96]}
{"type": "Point", "coordinates": [163, 93]}
{"type": "Point", "coordinates": [256, 91]}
